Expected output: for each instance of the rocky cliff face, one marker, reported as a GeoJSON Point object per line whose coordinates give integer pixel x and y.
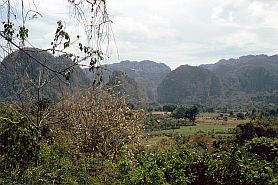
{"type": "Point", "coordinates": [20, 76]}
{"type": "Point", "coordinates": [189, 85]}
{"type": "Point", "coordinates": [227, 82]}
{"type": "Point", "coordinates": [147, 74]}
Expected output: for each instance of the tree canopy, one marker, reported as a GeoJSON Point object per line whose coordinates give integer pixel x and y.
{"type": "Point", "coordinates": [186, 113]}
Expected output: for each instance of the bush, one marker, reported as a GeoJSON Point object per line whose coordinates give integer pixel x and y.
{"type": "Point", "coordinates": [241, 167]}
{"type": "Point", "coordinates": [260, 127]}
{"type": "Point", "coordinates": [98, 124]}
{"type": "Point", "coordinates": [56, 166]}
{"type": "Point", "coordinates": [266, 148]}
{"type": "Point", "coordinates": [19, 145]}
{"type": "Point", "coordinates": [182, 166]}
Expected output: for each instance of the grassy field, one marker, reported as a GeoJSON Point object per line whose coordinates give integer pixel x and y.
{"type": "Point", "coordinates": [215, 119]}
{"type": "Point", "coordinates": [190, 130]}
{"type": "Point", "coordinates": [206, 123]}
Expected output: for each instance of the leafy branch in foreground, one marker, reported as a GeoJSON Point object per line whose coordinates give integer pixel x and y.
{"type": "Point", "coordinates": [91, 16]}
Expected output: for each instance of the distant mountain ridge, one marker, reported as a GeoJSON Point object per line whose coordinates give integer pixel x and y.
{"type": "Point", "coordinates": [189, 84]}
{"type": "Point", "coordinates": [250, 74]}
{"type": "Point", "coordinates": [249, 80]}
{"type": "Point", "coordinates": [236, 81]}
{"type": "Point", "coordinates": [147, 74]}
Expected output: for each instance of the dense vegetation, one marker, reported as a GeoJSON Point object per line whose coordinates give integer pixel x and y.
{"type": "Point", "coordinates": [95, 138]}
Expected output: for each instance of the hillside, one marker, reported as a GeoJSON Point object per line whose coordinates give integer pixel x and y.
{"type": "Point", "coordinates": [20, 74]}
{"type": "Point", "coordinates": [147, 74]}
{"type": "Point", "coordinates": [124, 86]}
{"type": "Point", "coordinates": [249, 80]}
{"type": "Point", "coordinates": [249, 74]}
{"type": "Point", "coordinates": [189, 85]}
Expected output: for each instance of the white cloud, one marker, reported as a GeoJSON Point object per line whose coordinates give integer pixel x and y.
{"type": "Point", "coordinates": [195, 31]}
{"type": "Point", "coordinates": [178, 32]}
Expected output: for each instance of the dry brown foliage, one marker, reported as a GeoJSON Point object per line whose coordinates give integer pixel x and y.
{"type": "Point", "coordinates": [97, 123]}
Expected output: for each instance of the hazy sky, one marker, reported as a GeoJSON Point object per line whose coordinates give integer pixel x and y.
{"type": "Point", "coordinates": [178, 32]}
{"type": "Point", "coordinates": [194, 31]}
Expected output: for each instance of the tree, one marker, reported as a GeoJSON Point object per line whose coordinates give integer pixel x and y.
{"type": "Point", "coordinates": [192, 113]}
{"type": "Point", "coordinates": [169, 107]}
{"type": "Point", "coordinates": [185, 113]}
{"type": "Point", "coordinates": [240, 116]}
{"type": "Point", "coordinates": [19, 146]}
{"type": "Point", "coordinates": [179, 112]}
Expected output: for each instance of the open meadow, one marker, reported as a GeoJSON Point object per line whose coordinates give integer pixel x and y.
{"type": "Point", "coordinates": [211, 124]}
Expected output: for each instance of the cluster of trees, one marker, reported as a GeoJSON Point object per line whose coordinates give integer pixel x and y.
{"type": "Point", "coordinates": [186, 113]}
{"type": "Point", "coordinates": [154, 124]}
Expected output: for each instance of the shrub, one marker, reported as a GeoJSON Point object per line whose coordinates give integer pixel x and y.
{"type": "Point", "coordinates": [239, 166]}
{"type": "Point", "coordinates": [266, 148]}
{"type": "Point", "coordinates": [98, 124]}
{"type": "Point", "coordinates": [19, 145]}
{"type": "Point", "coordinates": [260, 127]}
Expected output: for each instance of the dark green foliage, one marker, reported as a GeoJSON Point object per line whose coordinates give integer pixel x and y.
{"type": "Point", "coordinates": [266, 148]}
{"type": "Point", "coordinates": [19, 146]}
{"type": "Point", "coordinates": [169, 108]}
{"type": "Point", "coordinates": [240, 116]}
{"type": "Point", "coordinates": [155, 124]}
{"type": "Point", "coordinates": [56, 165]}
{"type": "Point", "coordinates": [210, 110]}
{"type": "Point", "coordinates": [172, 167]}
{"type": "Point", "coordinates": [191, 166]}
{"type": "Point", "coordinates": [31, 155]}
{"type": "Point", "coordinates": [245, 132]}
{"type": "Point", "coordinates": [192, 113]}
{"type": "Point", "coordinates": [238, 166]}
{"type": "Point", "coordinates": [260, 127]}
{"type": "Point", "coordinates": [179, 112]}
{"type": "Point", "coordinates": [186, 113]}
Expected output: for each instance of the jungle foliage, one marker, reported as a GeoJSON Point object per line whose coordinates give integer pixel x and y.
{"type": "Point", "coordinates": [94, 138]}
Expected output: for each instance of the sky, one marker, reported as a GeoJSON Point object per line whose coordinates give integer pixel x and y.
{"type": "Point", "coordinates": [177, 32]}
